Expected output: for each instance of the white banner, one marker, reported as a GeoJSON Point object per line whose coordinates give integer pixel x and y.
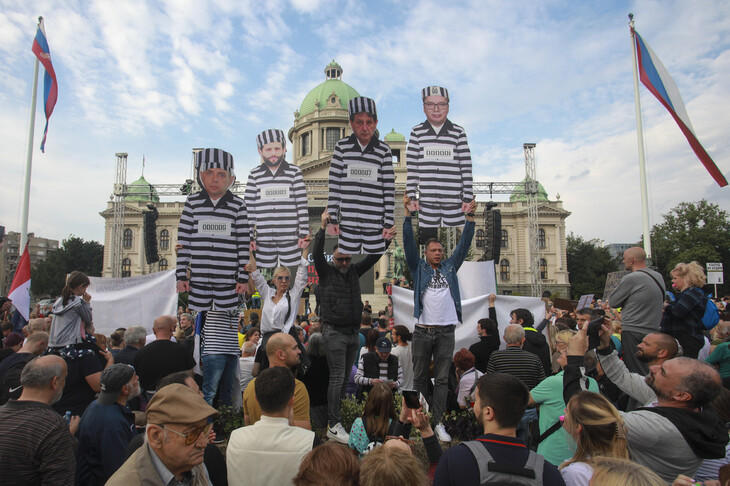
{"type": "Point", "coordinates": [473, 277]}
{"type": "Point", "coordinates": [132, 301]}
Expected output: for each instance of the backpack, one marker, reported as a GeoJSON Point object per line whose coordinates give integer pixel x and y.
{"type": "Point", "coordinates": [10, 386]}
{"type": "Point", "coordinates": [711, 316]}
{"type": "Point", "coordinates": [491, 473]}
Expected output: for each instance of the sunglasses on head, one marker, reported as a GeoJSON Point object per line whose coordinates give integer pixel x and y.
{"type": "Point", "coordinates": [193, 435]}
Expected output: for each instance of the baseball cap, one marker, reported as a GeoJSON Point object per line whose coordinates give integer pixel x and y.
{"type": "Point", "coordinates": [384, 345]}
{"type": "Point", "coordinates": [113, 379]}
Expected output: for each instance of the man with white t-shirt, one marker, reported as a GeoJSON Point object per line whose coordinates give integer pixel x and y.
{"type": "Point", "coordinates": [437, 309]}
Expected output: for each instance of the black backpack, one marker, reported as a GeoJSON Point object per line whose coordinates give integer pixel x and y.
{"type": "Point", "coordinates": [491, 473]}
{"type": "Point", "coordinates": [10, 386]}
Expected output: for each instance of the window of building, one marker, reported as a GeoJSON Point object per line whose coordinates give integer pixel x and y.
{"type": "Point", "coordinates": [164, 240]}
{"type": "Point", "coordinates": [504, 270]}
{"type": "Point", "coordinates": [332, 135]}
{"type": "Point", "coordinates": [480, 238]}
{"type": "Point", "coordinates": [543, 269]}
{"type": "Point", "coordinates": [163, 264]}
{"type": "Point", "coordinates": [541, 238]}
{"type": "Point", "coordinates": [305, 144]}
{"type": "Point", "coordinates": [505, 239]}
{"type": "Point", "coordinates": [126, 267]}
{"type": "Point", "coordinates": [127, 240]}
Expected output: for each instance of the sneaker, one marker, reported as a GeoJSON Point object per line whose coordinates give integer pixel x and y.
{"type": "Point", "coordinates": [441, 433]}
{"type": "Point", "coordinates": [339, 433]}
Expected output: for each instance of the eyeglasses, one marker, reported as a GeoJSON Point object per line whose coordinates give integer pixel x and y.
{"type": "Point", "coordinates": [283, 277]}
{"type": "Point", "coordinates": [193, 435]}
{"type": "Point", "coordinates": [431, 106]}
{"type": "Point", "coordinates": [409, 443]}
{"type": "Point", "coordinates": [343, 259]}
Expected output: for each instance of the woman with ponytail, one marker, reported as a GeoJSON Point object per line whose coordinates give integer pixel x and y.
{"type": "Point", "coordinates": [598, 431]}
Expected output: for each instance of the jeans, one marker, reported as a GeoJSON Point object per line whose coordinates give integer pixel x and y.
{"type": "Point", "coordinates": [439, 343]}
{"type": "Point", "coordinates": [523, 428]}
{"type": "Point", "coordinates": [340, 349]}
{"type": "Point", "coordinates": [218, 369]}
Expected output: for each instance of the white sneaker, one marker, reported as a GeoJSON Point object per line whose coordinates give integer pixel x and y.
{"type": "Point", "coordinates": [441, 433]}
{"type": "Point", "coordinates": [339, 433]}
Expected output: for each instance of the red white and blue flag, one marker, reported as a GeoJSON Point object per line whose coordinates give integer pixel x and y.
{"type": "Point", "coordinates": [50, 85]}
{"type": "Point", "coordinates": [656, 78]}
{"type": "Point", "coordinates": [20, 288]}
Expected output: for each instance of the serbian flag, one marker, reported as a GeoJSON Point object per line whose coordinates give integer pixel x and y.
{"type": "Point", "coordinates": [50, 85]}
{"type": "Point", "coordinates": [657, 80]}
{"type": "Point", "coordinates": [20, 288]}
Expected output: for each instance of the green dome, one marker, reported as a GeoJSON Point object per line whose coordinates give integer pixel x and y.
{"type": "Point", "coordinates": [541, 194]}
{"type": "Point", "coordinates": [141, 190]}
{"type": "Point", "coordinates": [322, 92]}
{"type": "Point", "coordinates": [394, 136]}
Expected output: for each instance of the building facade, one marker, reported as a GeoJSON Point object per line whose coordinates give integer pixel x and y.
{"type": "Point", "coordinates": [38, 247]}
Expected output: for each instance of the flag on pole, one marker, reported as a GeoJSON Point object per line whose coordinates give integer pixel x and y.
{"type": "Point", "coordinates": [656, 78]}
{"type": "Point", "coordinates": [50, 85]}
{"type": "Point", "coordinates": [20, 288]}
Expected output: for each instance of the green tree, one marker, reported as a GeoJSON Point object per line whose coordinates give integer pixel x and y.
{"type": "Point", "coordinates": [588, 266]}
{"type": "Point", "coordinates": [692, 232]}
{"type": "Point", "coordinates": [49, 276]}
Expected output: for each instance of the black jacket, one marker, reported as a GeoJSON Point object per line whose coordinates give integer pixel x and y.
{"type": "Point", "coordinates": [536, 344]}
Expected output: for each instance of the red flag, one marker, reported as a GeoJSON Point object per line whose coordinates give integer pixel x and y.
{"type": "Point", "coordinates": [20, 288]}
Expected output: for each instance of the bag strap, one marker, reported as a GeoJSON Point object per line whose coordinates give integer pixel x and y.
{"type": "Point", "coordinates": [655, 280]}
{"type": "Point", "coordinates": [553, 428]}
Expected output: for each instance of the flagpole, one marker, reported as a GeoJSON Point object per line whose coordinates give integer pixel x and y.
{"type": "Point", "coordinates": [640, 136]}
{"type": "Point", "coordinates": [29, 156]}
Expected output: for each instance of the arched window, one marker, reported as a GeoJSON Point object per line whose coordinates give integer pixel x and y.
{"type": "Point", "coordinates": [127, 240]}
{"type": "Point", "coordinates": [126, 267]}
{"type": "Point", "coordinates": [164, 240]}
{"type": "Point", "coordinates": [480, 238]}
{"type": "Point", "coordinates": [543, 269]}
{"type": "Point", "coordinates": [505, 239]}
{"type": "Point", "coordinates": [541, 238]}
{"type": "Point", "coordinates": [504, 270]}
{"type": "Point", "coordinates": [163, 264]}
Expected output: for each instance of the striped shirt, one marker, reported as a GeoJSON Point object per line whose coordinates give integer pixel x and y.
{"type": "Point", "coordinates": [220, 333]}
{"type": "Point", "coordinates": [517, 362]}
{"type": "Point", "coordinates": [361, 184]}
{"type": "Point", "coordinates": [277, 202]}
{"type": "Point", "coordinates": [362, 380]}
{"type": "Point", "coordinates": [214, 239]}
{"type": "Point", "coordinates": [439, 166]}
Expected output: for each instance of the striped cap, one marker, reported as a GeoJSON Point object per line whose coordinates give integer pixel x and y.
{"type": "Point", "coordinates": [362, 104]}
{"type": "Point", "coordinates": [212, 158]}
{"type": "Point", "coordinates": [271, 135]}
{"type": "Point", "coordinates": [434, 91]}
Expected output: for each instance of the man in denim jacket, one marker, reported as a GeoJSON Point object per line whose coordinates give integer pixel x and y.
{"type": "Point", "coordinates": [437, 309]}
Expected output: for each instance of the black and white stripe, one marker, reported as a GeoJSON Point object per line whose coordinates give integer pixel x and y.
{"type": "Point", "coordinates": [270, 136]}
{"type": "Point", "coordinates": [361, 104]}
{"type": "Point", "coordinates": [440, 173]}
{"type": "Point", "coordinates": [220, 333]}
{"type": "Point", "coordinates": [434, 91]}
{"type": "Point", "coordinates": [276, 222]}
{"type": "Point", "coordinates": [361, 194]}
{"type": "Point", "coordinates": [215, 242]}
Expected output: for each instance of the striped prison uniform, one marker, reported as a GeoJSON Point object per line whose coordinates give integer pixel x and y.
{"type": "Point", "coordinates": [215, 243]}
{"type": "Point", "coordinates": [277, 213]}
{"type": "Point", "coordinates": [361, 194]}
{"type": "Point", "coordinates": [439, 172]}
{"type": "Point", "coordinates": [219, 334]}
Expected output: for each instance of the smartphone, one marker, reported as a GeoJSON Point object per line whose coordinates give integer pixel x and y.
{"type": "Point", "coordinates": [594, 327]}
{"type": "Point", "coordinates": [412, 399]}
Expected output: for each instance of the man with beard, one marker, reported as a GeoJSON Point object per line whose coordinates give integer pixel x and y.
{"type": "Point", "coordinates": [500, 402]}
{"type": "Point", "coordinates": [342, 306]}
{"type": "Point", "coordinates": [107, 426]}
{"type": "Point", "coordinates": [35, 443]}
{"type": "Point", "coordinates": [276, 201]}
{"type": "Point", "coordinates": [680, 429]}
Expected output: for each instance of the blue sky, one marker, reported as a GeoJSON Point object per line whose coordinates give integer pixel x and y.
{"type": "Point", "coordinates": [161, 77]}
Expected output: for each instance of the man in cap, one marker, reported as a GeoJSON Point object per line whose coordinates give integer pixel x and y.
{"type": "Point", "coordinates": [439, 165]}
{"type": "Point", "coordinates": [107, 426]}
{"type": "Point", "coordinates": [378, 367]}
{"type": "Point", "coordinates": [276, 201]}
{"type": "Point", "coordinates": [213, 237]}
{"type": "Point", "coordinates": [177, 431]}
{"type": "Point", "coordinates": [362, 184]}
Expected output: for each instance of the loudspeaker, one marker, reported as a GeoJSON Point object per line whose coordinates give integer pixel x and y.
{"type": "Point", "coordinates": [492, 235]}
{"type": "Point", "coordinates": [150, 235]}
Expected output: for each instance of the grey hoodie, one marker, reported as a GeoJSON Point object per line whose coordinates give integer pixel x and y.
{"type": "Point", "coordinates": [66, 325]}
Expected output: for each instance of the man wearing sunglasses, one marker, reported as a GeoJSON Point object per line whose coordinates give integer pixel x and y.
{"type": "Point", "coordinates": [177, 431]}
{"type": "Point", "coordinates": [341, 308]}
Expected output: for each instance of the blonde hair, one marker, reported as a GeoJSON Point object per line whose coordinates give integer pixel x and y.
{"type": "Point", "coordinates": [602, 430]}
{"type": "Point", "coordinates": [388, 466]}
{"type": "Point", "coordinates": [612, 471]}
{"type": "Point", "coordinates": [564, 336]}
{"type": "Point", "coordinates": [692, 273]}
{"type": "Point", "coordinates": [280, 270]}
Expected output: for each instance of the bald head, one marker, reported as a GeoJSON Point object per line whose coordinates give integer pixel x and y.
{"type": "Point", "coordinates": [36, 343]}
{"type": "Point", "coordinates": [667, 343]}
{"type": "Point", "coordinates": [40, 372]}
{"type": "Point", "coordinates": [282, 350]}
{"type": "Point", "coordinates": [514, 334]}
{"type": "Point", "coordinates": [699, 379]}
{"type": "Point", "coordinates": [36, 325]}
{"type": "Point", "coordinates": [249, 349]}
{"type": "Point", "coordinates": [164, 326]}
{"type": "Point", "coordinates": [634, 258]}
